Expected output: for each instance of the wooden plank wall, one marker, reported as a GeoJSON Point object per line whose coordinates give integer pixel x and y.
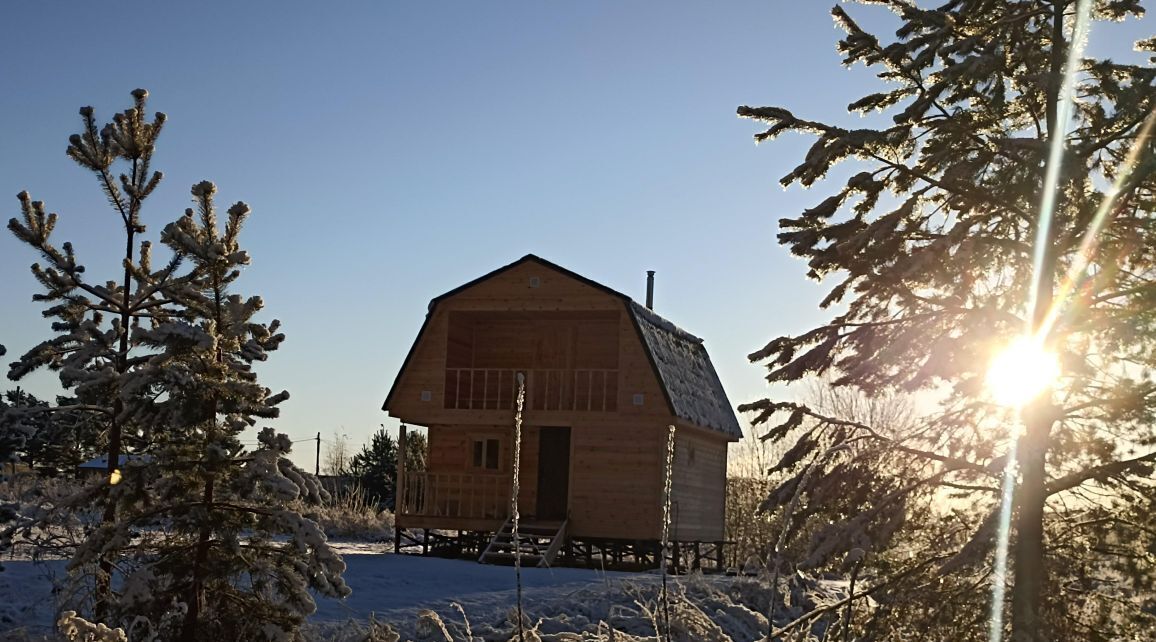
{"type": "Point", "coordinates": [510, 291]}
{"type": "Point", "coordinates": [616, 457]}
{"type": "Point", "coordinates": [537, 339]}
{"type": "Point", "coordinates": [449, 451]}
{"type": "Point", "coordinates": [615, 480]}
{"type": "Point", "coordinates": [698, 485]}
{"type": "Point", "coordinates": [615, 473]}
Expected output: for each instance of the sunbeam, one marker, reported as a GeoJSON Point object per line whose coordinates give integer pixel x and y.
{"type": "Point", "coordinates": [1077, 272]}
{"type": "Point", "coordinates": [999, 572]}
{"type": "Point", "coordinates": [1064, 106]}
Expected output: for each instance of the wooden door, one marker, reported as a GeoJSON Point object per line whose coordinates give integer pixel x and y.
{"type": "Point", "coordinates": [553, 472]}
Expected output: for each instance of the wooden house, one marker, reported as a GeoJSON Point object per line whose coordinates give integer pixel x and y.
{"type": "Point", "coordinates": [604, 377]}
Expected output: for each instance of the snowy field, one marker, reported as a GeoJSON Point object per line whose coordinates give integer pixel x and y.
{"type": "Point", "coordinates": [396, 589]}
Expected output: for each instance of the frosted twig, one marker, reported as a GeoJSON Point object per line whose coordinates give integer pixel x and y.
{"type": "Point", "coordinates": [514, 501]}
{"type": "Point", "coordinates": [666, 526]}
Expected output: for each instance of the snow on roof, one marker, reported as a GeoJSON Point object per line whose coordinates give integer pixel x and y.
{"type": "Point", "coordinates": [101, 463]}
{"type": "Point", "coordinates": [685, 370]}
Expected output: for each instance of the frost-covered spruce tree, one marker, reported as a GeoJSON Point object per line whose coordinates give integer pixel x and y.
{"type": "Point", "coordinates": [203, 535]}
{"type": "Point", "coordinates": [250, 558]}
{"type": "Point", "coordinates": [94, 348]}
{"type": "Point", "coordinates": [53, 439]}
{"type": "Point", "coordinates": [22, 428]}
{"type": "Point", "coordinates": [10, 443]}
{"type": "Point", "coordinates": [19, 422]}
{"type": "Point", "coordinates": [928, 248]}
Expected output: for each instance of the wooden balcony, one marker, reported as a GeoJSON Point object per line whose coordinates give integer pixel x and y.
{"type": "Point", "coordinates": [583, 390]}
{"type": "Point", "coordinates": [455, 496]}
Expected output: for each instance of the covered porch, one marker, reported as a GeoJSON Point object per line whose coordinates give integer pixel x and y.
{"type": "Point", "coordinates": [457, 500]}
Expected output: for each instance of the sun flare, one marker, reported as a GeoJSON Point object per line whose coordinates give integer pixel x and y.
{"type": "Point", "coordinates": [1021, 372]}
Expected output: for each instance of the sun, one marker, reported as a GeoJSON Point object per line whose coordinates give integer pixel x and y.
{"type": "Point", "coordinates": [1021, 372]}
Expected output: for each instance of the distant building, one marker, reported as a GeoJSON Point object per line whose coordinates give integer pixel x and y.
{"type": "Point", "coordinates": [99, 465]}
{"type": "Point", "coordinates": [12, 470]}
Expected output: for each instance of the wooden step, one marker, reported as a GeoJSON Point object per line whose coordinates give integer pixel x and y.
{"type": "Point", "coordinates": [498, 557]}
{"type": "Point", "coordinates": [509, 548]}
{"type": "Point", "coordinates": [523, 537]}
{"type": "Point", "coordinates": [543, 530]}
{"type": "Point", "coordinates": [538, 543]}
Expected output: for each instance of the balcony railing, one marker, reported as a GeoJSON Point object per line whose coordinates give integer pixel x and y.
{"type": "Point", "coordinates": [593, 390]}
{"type": "Point", "coordinates": [464, 495]}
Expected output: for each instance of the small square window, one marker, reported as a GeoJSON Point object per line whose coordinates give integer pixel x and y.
{"type": "Point", "coordinates": [486, 454]}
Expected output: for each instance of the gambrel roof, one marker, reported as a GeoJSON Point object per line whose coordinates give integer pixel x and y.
{"type": "Point", "coordinates": [688, 379]}
{"type": "Point", "coordinates": [692, 386]}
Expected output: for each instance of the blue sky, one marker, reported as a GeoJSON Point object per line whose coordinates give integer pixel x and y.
{"type": "Point", "coordinates": [392, 151]}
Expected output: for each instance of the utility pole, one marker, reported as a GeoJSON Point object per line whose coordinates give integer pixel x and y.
{"type": "Point", "coordinates": [317, 461]}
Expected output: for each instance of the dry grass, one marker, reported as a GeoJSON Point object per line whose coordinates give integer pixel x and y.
{"type": "Point", "coordinates": [351, 514]}
{"type": "Point", "coordinates": [751, 531]}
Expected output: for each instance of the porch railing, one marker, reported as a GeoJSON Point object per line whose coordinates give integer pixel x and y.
{"type": "Point", "coordinates": [464, 495]}
{"type": "Point", "coordinates": [586, 389]}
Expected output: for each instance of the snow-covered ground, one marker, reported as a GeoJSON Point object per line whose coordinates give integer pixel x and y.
{"type": "Point", "coordinates": [393, 587]}
{"type": "Point", "coordinates": [27, 599]}
{"type": "Point", "coordinates": [397, 589]}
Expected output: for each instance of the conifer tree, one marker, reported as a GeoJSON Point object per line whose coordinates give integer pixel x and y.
{"type": "Point", "coordinates": [53, 439]}
{"type": "Point", "coordinates": [375, 465]}
{"type": "Point", "coordinates": [23, 414]}
{"type": "Point", "coordinates": [236, 495]}
{"type": "Point", "coordinates": [201, 533]}
{"type": "Point", "coordinates": [9, 444]}
{"type": "Point", "coordinates": [929, 247]}
{"type": "Point", "coordinates": [94, 348]}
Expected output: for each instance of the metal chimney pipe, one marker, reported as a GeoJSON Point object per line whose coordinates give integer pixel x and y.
{"type": "Point", "coordinates": [650, 289]}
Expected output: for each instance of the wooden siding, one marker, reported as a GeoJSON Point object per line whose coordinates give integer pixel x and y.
{"type": "Point", "coordinates": [616, 480]}
{"type": "Point", "coordinates": [509, 291]}
{"type": "Point", "coordinates": [698, 485]}
{"type": "Point", "coordinates": [533, 339]}
{"type": "Point", "coordinates": [449, 451]}
{"type": "Point", "coordinates": [615, 472]}
{"type": "Point", "coordinates": [616, 458]}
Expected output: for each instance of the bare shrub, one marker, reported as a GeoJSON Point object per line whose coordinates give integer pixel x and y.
{"type": "Point", "coordinates": [51, 514]}
{"type": "Point", "coordinates": [352, 514]}
{"type": "Point", "coordinates": [752, 474]}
